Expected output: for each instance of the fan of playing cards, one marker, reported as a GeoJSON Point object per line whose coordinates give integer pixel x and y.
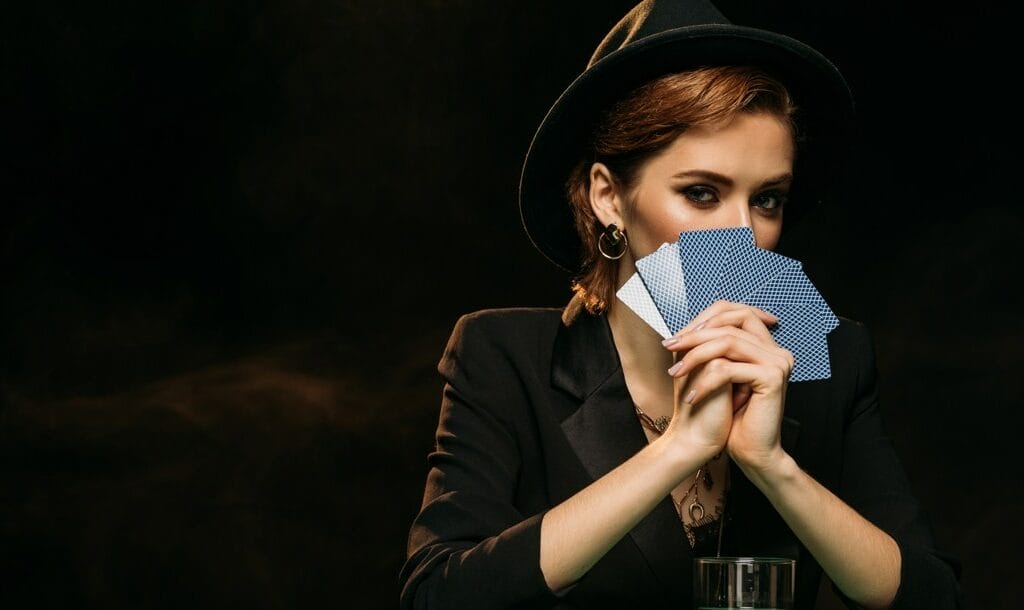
{"type": "Point", "coordinates": [679, 280]}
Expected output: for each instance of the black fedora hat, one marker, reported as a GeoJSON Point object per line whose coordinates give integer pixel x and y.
{"type": "Point", "coordinates": [661, 37]}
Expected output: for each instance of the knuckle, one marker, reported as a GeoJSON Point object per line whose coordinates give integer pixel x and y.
{"type": "Point", "coordinates": [730, 336]}
{"type": "Point", "coordinates": [782, 369]}
{"type": "Point", "coordinates": [720, 306]}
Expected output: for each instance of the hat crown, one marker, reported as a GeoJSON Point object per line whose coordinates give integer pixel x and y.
{"type": "Point", "coordinates": [651, 17]}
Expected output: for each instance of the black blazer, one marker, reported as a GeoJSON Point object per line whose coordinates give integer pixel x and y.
{"type": "Point", "coordinates": [534, 410]}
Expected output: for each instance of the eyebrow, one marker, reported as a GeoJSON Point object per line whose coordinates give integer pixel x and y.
{"type": "Point", "coordinates": [727, 181]}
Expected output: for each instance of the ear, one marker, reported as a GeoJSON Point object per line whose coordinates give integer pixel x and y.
{"type": "Point", "coordinates": [606, 200]}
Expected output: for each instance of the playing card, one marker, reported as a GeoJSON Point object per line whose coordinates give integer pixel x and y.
{"type": "Point", "coordinates": [803, 339]}
{"type": "Point", "coordinates": [634, 294]}
{"type": "Point", "coordinates": [702, 254]}
{"type": "Point", "coordinates": [791, 286]}
{"type": "Point", "coordinates": [747, 267]}
{"type": "Point", "coordinates": [663, 277]}
{"type": "Point", "coordinates": [678, 281]}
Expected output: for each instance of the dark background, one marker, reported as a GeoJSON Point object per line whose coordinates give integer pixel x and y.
{"type": "Point", "coordinates": [237, 235]}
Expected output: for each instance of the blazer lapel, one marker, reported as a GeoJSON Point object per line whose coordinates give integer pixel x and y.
{"type": "Point", "coordinates": [604, 432]}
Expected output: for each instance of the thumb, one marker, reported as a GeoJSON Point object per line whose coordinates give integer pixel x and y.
{"type": "Point", "coordinates": [741, 393]}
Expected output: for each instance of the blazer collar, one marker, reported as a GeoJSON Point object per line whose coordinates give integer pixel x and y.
{"type": "Point", "coordinates": [584, 355]}
{"type": "Point", "coordinates": [604, 432]}
{"type": "Point", "coordinates": [603, 429]}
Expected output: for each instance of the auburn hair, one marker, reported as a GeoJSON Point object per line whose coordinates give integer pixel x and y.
{"type": "Point", "coordinates": [641, 125]}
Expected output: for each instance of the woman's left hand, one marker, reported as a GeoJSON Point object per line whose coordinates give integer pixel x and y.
{"type": "Point", "coordinates": [730, 343]}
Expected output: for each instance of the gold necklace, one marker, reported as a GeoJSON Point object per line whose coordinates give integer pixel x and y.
{"type": "Point", "coordinates": [696, 509]}
{"type": "Point", "coordinates": [698, 515]}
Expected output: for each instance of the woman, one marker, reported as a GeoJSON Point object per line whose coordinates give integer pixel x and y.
{"type": "Point", "coordinates": [582, 461]}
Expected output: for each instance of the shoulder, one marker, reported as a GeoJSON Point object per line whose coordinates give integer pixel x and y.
{"type": "Point", "coordinates": [852, 353]}
{"type": "Point", "coordinates": [509, 319]}
{"type": "Point", "coordinates": [505, 334]}
{"type": "Point", "coordinates": [510, 325]}
{"type": "Point", "coordinates": [851, 336]}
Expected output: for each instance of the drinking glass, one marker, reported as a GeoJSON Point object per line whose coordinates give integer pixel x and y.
{"type": "Point", "coordinates": [764, 583]}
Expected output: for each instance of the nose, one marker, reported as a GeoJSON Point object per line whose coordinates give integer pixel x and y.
{"type": "Point", "coordinates": [738, 213]}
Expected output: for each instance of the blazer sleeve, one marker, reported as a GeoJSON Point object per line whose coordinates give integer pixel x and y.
{"type": "Point", "coordinates": [874, 483]}
{"type": "Point", "coordinates": [469, 546]}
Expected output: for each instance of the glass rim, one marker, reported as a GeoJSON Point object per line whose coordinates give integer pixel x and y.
{"type": "Point", "coordinates": [745, 560]}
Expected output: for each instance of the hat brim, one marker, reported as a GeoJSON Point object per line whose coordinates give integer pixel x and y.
{"type": "Point", "coordinates": [823, 99]}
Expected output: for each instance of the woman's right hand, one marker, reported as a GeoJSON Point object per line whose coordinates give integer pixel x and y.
{"type": "Point", "coordinates": [704, 425]}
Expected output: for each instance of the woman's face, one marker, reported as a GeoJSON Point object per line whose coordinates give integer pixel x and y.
{"type": "Point", "coordinates": [736, 175]}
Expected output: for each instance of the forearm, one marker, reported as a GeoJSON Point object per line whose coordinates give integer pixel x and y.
{"type": "Point", "coordinates": [861, 559]}
{"type": "Point", "coordinates": [579, 531]}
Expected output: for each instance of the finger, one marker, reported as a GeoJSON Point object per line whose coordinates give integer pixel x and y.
{"type": "Point", "coordinates": [694, 339]}
{"type": "Point", "coordinates": [746, 319]}
{"type": "Point", "coordinates": [720, 372]}
{"type": "Point", "coordinates": [740, 318]}
{"type": "Point", "coordinates": [702, 346]}
{"type": "Point", "coordinates": [726, 342]}
{"type": "Point", "coordinates": [733, 350]}
{"type": "Point", "coordinates": [719, 307]}
{"type": "Point", "coordinates": [697, 337]}
{"type": "Point", "coordinates": [741, 393]}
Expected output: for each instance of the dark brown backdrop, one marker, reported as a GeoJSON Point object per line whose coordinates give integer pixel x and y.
{"type": "Point", "coordinates": [238, 233]}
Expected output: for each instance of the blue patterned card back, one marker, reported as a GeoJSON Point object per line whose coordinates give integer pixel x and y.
{"type": "Point", "coordinates": [799, 332]}
{"type": "Point", "coordinates": [747, 268]}
{"type": "Point", "coordinates": [702, 254]}
{"type": "Point", "coordinates": [663, 277]}
{"type": "Point", "coordinates": [792, 286]}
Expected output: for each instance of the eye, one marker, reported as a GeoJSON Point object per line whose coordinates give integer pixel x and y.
{"type": "Point", "coordinates": [702, 196]}
{"type": "Point", "coordinates": [770, 201]}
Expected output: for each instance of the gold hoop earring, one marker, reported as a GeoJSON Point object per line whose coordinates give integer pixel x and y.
{"type": "Point", "coordinates": [616, 242]}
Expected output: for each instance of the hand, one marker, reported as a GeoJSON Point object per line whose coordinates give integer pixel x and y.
{"type": "Point", "coordinates": [704, 424]}
{"type": "Point", "coordinates": [728, 347]}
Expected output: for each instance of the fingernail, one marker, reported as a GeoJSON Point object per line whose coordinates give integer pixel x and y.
{"type": "Point", "coordinates": [670, 341]}
{"type": "Point", "coordinates": [689, 397]}
{"type": "Point", "coordinates": [700, 326]}
{"type": "Point", "coordinates": [675, 368]}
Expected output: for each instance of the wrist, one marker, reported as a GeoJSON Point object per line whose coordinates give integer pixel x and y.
{"type": "Point", "coordinates": [685, 453]}
{"type": "Point", "coordinates": [772, 473]}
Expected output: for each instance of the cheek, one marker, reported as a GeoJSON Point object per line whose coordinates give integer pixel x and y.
{"type": "Point", "coordinates": [766, 235]}
{"type": "Point", "coordinates": [658, 225]}
{"type": "Point", "coordinates": [671, 221]}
